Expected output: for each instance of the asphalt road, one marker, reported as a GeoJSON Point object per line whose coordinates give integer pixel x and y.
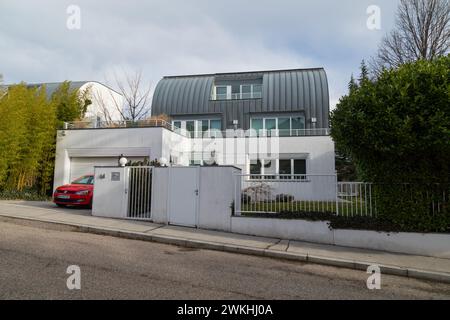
{"type": "Point", "coordinates": [33, 264]}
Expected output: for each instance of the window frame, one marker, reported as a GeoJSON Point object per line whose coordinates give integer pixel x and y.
{"type": "Point", "coordinates": [277, 175]}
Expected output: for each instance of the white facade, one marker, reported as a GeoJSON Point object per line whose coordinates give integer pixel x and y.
{"type": "Point", "coordinates": [78, 151]}
{"type": "Point", "coordinates": [106, 103]}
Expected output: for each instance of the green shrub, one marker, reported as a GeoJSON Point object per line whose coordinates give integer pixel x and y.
{"type": "Point", "coordinates": [26, 194]}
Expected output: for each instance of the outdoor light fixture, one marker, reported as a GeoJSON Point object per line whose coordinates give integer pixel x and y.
{"type": "Point", "coordinates": [122, 160]}
{"type": "Point", "coordinates": [163, 161]}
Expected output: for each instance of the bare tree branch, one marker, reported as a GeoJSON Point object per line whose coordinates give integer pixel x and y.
{"type": "Point", "coordinates": [422, 31]}
{"type": "Point", "coordinates": [136, 98]}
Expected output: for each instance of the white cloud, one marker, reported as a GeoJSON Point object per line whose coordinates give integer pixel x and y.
{"type": "Point", "coordinates": [185, 37]}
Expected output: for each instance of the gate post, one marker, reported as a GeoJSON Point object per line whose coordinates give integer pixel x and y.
{"type": "Point", "coordinates": [337, 195]}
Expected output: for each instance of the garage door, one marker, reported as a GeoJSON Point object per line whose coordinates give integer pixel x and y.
{"type": "Point", "coordinates": [85, 165]}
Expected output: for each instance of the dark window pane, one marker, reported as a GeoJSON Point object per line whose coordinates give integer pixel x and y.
{"type": "Point", "coordinates": [257, 125]}
{"type": "Point", "coordinates": [190, 127]}
{"type": "Point", "coordinates": [246, 91]}
{"type": "Point", "coordinates": [216, 125]}
{"type": "Point", "coordinates": [285, 167]}
{"type": "Point", "coordinates": [205, 125]}
{"type": "Point", "coordinates": [271, 124]}
{"type": "Point", "coordinates": [255, 167]}
{"type": "Point", "coordinates": [284, 126]}
{"type": "Point", "coordinates": [221, 93]}
{"type": "Point", "coordinates": [177, 124]}
{"type": "Point", "coordinates": [257, 88]}
{"type": "Point", "coordinates": [298, 124]}
{"type": "Point", "coordinates": [299, 166]}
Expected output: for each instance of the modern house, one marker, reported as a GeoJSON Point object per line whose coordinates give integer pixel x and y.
{"type": "Point", "coordinates": [291, 106]}
{"type": "Point", "coordinates": [266, 123]}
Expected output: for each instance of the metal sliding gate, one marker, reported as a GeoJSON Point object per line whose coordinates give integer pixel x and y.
{"type": "Point", "coordinates": [139, 192]}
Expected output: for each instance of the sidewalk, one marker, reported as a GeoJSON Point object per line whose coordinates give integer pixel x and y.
{"type": "Point", "coordinates": [80, 220]}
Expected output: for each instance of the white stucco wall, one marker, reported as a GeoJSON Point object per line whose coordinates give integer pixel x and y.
{"type": "Point", "coordinates": [429, 244]}
{"type": "Point", "coordinates": [105, 102]}
{"type": "Point", "coordinates": [217, 185]}
{"type": "Point", "coordinates": [132, 142]}
{"type": "Point", "coordinates": [109, 196]}
{"type": "Point", "coordinates": [313, 231]}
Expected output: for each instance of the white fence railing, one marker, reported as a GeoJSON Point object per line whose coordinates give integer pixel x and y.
{"type": "Point", "coordinates": [355, 199]}
{"type": "Point", "coordinates": [302, 193]}
{"type": "Point", "coordinates": [324, 194]}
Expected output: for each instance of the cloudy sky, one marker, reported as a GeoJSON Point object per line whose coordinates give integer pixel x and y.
{"type": "Point", "coordinates": [172, 37]}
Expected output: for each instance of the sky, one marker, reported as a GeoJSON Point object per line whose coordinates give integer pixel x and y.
{"type": "Point", "coordinates": [110, 39]}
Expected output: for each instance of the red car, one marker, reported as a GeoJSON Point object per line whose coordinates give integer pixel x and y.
{"type": "Point", "coordinates": [78, 193]}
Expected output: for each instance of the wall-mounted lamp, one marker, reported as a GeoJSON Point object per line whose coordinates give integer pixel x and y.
{"type": "Point", "coordinates": [122, 160]}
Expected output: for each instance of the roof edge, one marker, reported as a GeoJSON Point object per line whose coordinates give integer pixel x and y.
{"type": "Point", "coordinates": [242, 72]}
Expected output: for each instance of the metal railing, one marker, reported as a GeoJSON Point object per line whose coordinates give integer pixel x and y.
{"type": "Point", "coordinates": [94, 124]}
{"type": "Point", "coordinates": [231, 133]}
{"type": "Point", "coordinates": [355, 199]}
{"type": "Point", "coordinates": [323, 194]}
{"type": "Point", "coordinates": [237, 96]}
{"type": "Point", "coordinates": [139, 192]}
{"type": "Point", "coordinates": [302, 193]}
{"type": "Point", "coordinates": [285, 193]}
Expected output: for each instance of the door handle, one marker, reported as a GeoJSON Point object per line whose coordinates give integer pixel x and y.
{"type": "Point", "coordinates": [196, 192]}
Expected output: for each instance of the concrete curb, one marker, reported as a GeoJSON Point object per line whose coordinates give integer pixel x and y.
{"type": "Point", "coordinates": [183, 242]}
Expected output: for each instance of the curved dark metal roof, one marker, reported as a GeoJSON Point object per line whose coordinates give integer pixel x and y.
{"type": "Point", "coordinates": [182, 95]}
{"type": "Point", "coordinates": [293, 90]}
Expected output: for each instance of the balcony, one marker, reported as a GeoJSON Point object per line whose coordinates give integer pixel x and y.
{"type": "Point", "coordinates": [237, 96]}
{"type": "Point", "coordinates": [150, 123]}
{"type": "Point", "coordinates": [230, 133]}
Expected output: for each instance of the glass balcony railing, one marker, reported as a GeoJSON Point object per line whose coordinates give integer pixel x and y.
{"type": "Point", "coordinates": [237, 96]}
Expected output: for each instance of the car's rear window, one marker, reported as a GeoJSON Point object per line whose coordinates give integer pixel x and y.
{"type": "Point", "coordinates": [84, 180]}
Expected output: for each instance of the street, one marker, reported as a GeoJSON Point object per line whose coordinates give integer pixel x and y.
{"type": "Point", "coordinates": [33, 264]}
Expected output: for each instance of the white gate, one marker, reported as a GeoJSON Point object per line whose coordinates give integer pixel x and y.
{"type": "Point", "coordinates": [183, 194]}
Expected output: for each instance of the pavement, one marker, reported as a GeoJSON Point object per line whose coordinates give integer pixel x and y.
{"type": "Point", "coordinates": [48, 215]}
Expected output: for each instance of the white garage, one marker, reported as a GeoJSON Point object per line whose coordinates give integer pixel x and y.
{"type": "Point", "coordinates": [80, 166]}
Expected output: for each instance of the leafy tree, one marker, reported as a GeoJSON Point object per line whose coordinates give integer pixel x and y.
{"type": "Point", "coordinates": [398, 127]}
{"type": "Point", "coordinates": [28, 134]}
{"type": "Point", "coordinates": [69, 104]}
{"type": "Point", "coordinates": [397, 131]}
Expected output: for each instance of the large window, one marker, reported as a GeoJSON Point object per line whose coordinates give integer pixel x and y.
{"type": "Point", "coordinates": [283, 126]}
{"type": "Point", "coordinates": [221, 92]}
{"type": "Point", "coordinates": [284, 169]}
{"type": "Point", "coordinates": [238, 91]}
{"type": "Point", "coordinates": [198, 128]}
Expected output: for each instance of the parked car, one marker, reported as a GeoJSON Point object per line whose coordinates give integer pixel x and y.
{"type": "Point", "coordinates": [78, 193]}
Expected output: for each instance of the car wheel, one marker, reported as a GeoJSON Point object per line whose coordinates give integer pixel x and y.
{"type": "Point", "coordinates": [61, 205]}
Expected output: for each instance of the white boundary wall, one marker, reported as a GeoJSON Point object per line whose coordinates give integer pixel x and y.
{"type": "Point", "coordinates": [429, 244]}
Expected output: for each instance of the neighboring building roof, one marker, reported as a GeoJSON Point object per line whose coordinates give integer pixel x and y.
{"type": "Point", "coordinates": [291, 90]}
{"type": "Point", "coordinates": [51, 87]}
